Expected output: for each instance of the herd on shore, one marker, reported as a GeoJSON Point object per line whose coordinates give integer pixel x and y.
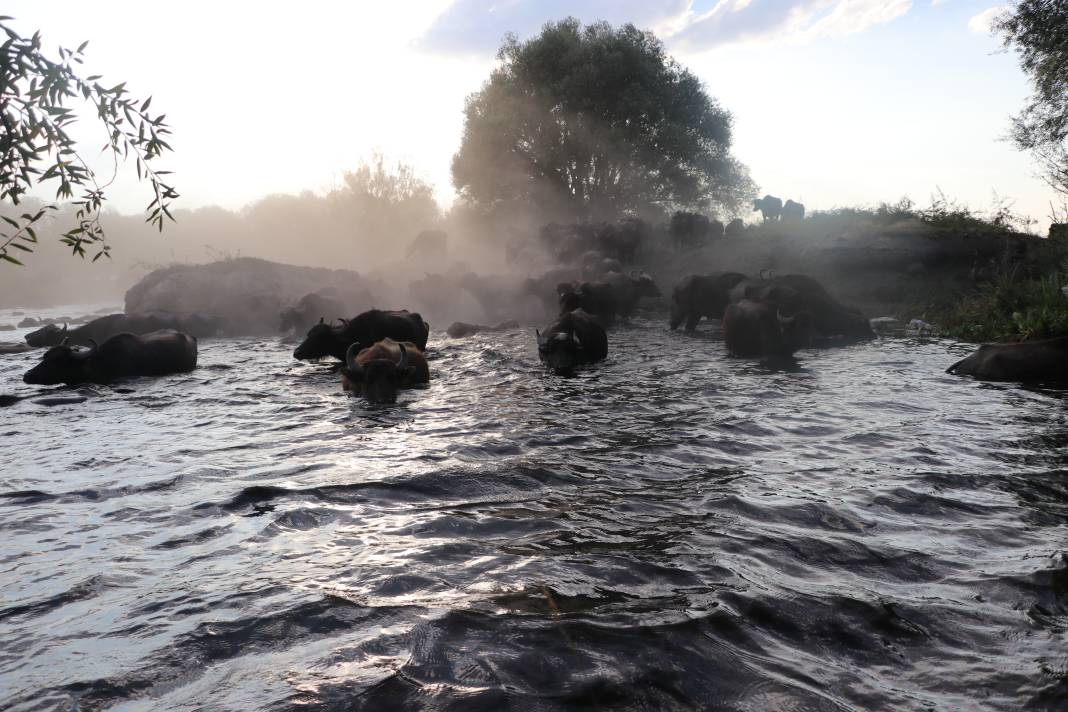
{"type": "Point", "coordinates": [381, 352]}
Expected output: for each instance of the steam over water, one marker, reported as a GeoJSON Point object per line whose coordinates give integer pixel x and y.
{"type": "Point", "coordinates": [670, 529]}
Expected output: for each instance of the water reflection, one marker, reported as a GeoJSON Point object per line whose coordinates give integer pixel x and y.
{"type": "Point", "coordinates": [672, 528]}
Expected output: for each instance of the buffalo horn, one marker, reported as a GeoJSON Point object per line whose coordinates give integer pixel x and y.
{"type": "Point", "coordinates": [350, 358]}
{"type": "Point", "coordinates": [64, 328]}
{"type": "Point", "coordinates": [575, 338]}
{"type": "Point", "coordinates": [65, 342]}
{"type": "Point", "coordinates": [402, 362]}
{"type": "Point", "coordinates": [93, 346]}
{"type": "Point", "coordinates": [322, 320]}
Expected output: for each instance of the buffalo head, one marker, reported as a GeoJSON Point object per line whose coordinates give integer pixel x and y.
{"type": "Point", "coordinates": [319, 342]}
{"type": "Point", "coordinates": [379, 378]}
{"type": "Point", "coordinates": [562, 351]}
{"type": "Point", "coordinates": [60, 364]}
{"type": "Point", "coordinates": [48, 335]}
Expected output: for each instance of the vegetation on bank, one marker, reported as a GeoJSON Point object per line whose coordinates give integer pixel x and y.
{"type": "Point", "coordinates": [1010, 308]}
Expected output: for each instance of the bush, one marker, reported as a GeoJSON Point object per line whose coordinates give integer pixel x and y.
{"type": "Point", "coordinates": [1011, 309]}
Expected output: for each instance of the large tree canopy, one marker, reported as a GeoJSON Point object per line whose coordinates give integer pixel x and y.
{"type": "Point", "coordinates": [1038, 30]}
{"type": "Point", "coordinates": [35, 147]}
{"type": "Point", "coordinates": [591, 122]}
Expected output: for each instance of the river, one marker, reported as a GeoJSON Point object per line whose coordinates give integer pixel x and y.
{"type": "Point", "coordinates": [672, 529]}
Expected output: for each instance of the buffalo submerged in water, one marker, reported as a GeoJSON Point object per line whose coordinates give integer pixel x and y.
{"type": "Point", "coordinates": [572, 340]}
{"type": "Point", "coordinates": [122, 356]}
{"type": "Point", "coordinates": [1044, 361]}
{"type": "Point", "coordinates": [367, 329]}
{"type": "Point", "coordinates": [105, 327]}
{"type": "Point", "coordinates": [380, 370]}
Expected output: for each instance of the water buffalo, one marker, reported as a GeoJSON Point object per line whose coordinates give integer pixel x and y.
{"type": "Point", "coordinates": [700, 296]}
{"type": "Point", "coordinates": [310, 308]}
{"type": "Point", "coordinates": [832, 324]}
{"type": "Point", "coordinates": [379, 370]}
{"type": "Point", "coordinates": [105, 327]}
{"type": "Point", "coordinates": [769, 206]}
{"type": "Point", "coordinates": [430, 244]}
{"type": "Point", "coordinates": [1043, 361]}
{"type": "Point", "coordinates": [622, 240]}
{"type": "Point", "coordinates": [547, 287]}
{"type": "Point", "coordinates": [594, 264]}
{"type": "Point", "coordinates": [574, 339]}
{"type": "Point", "coordinates": [735, 228]}
{"type": "Point", "coordinates": [793, 212]}
{"type": "Point", "coordinates": [631, 289]}
{"type": "Point", "coordinates": [757, 330]}
{"type": "Point", "coordinates": [689, 230]}
{"type": "Point", "coordinates": [597, 299]}
{"type": "Point", "coordinates": [460, 329]}
{"type": "Point", "coordinates": [122, 356]}
{"type": "Point", "coordinates": [616, 295]}
{"type": "Point", "coordinates": [366, 329]}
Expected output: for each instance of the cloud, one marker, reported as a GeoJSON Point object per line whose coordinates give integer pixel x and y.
{"type": "Point", "coordinates": [732, 21]}
{"type": "Point", "coordinates": [477, 27]}
{"type": "Point", "coordinates": [473, 27]}
{"type": "Point", "coordinates": [981, 23]}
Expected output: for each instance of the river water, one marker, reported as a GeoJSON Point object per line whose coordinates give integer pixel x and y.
{"type": "Point", "coordinates": [671, 529]}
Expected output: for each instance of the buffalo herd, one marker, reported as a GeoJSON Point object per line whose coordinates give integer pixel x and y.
{"type": "Point", "coordinates": [763, 317]}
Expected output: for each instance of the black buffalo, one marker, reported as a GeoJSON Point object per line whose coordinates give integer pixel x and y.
{"type": "Point", "coordinates": [1043, 361]}
{"type": "Point", "coordinates": [793, 212]}
{"type": "Point", "coordinates": [769, 206]}
{"type": "Point", "coordinates": [702, 296]}
{"type": "Point", "coordinates": [573, 340]}
{"type": "Point", "coordinates": [615, 295]}
{"type": "Point", "coordinates": [832, 324]}
{"type": "Point", "coordinates": [735, 228]}
{"type": "Point", "coordinates": [597, 299]}
{"type": "Point", "coordinates": [122, 356]}
{"type": "Point", "coordinates": [758, 330]}
{"type": "Point", "coordinates": [366, 329]}
{"type": "Point", "coordinates": [460, 329]}
{"type": "Point", "coordinates": [105, 327]}
{"type": "Point", "coordinates": [547, 287]}
{"type": "Point", "coordinates": [309, 309]}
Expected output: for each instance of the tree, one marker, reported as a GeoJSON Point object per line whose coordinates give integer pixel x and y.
{"type": "Point", "coordinates": [384, 206]}
{"type": "Point", "coordinates": [1038, 30]}
{"type": "Point", "coordinates": [591, 122]}
{"type": "Point", "coordinates": [35, 147]}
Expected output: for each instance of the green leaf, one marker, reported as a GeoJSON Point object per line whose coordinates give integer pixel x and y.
{"type": "Point", "coordinates": [8, 258]}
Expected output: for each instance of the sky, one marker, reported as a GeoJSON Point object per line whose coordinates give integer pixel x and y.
{"type": "Point", "coordinates": [836, 102]}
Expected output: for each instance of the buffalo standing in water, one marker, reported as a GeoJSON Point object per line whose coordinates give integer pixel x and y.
{"type": "Point", "coordinates": [700, 296]}
{"type": "Point", "coordinates": [379, 371]}
{"type": "Point", "coordinates": [122, 356]}
{"type": "Point", "coordinates": [617, 294]}
{"type": "Point", "coordinates": [759, 330]}
{"type": "Point", "coordinates": [832, 323]}
{"type": "Point", "coordinates": [105, 327]}
{"type": "Point", "coordinates": [1026, 362]}
{"type": "Point", "coordinates": [573, 340]}
{"type": "Point", "coordinates": [366, 329]}
{"type": "Point", "coordinates": [302, 315]}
